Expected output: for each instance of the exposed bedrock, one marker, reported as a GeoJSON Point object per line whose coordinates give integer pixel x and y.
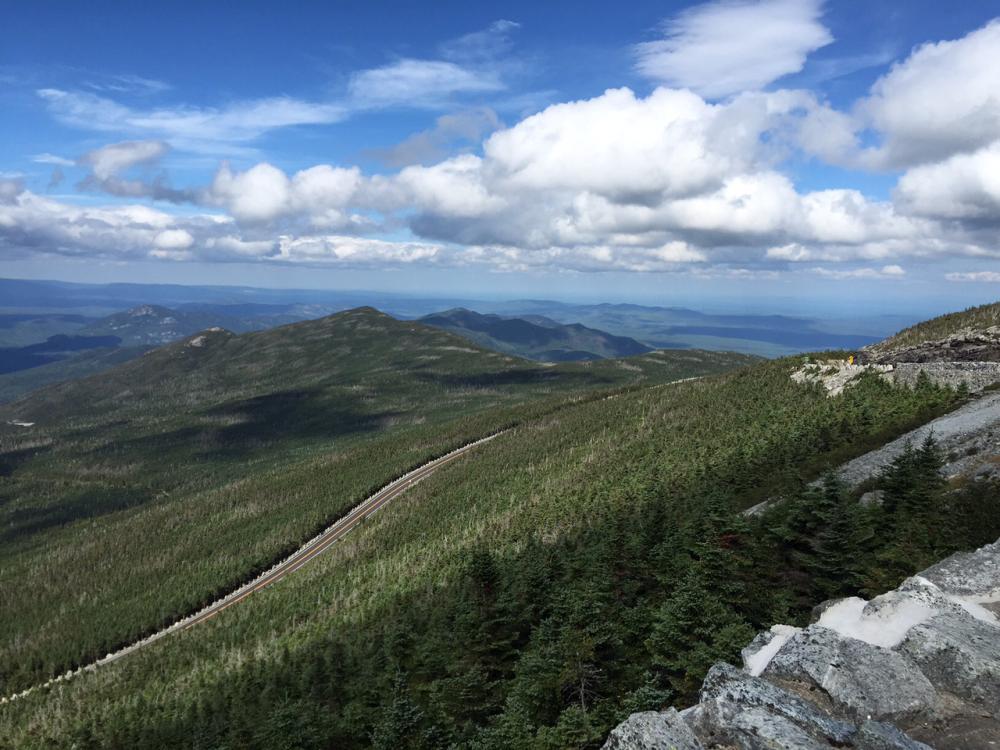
{"type": "Point", "coordinates": [917, 667]}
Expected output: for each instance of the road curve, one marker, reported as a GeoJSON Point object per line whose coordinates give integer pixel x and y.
{"type": "Point", "coordinates": [290, 564]}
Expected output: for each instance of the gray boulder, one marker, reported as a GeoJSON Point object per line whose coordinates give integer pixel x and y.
{"type": "Point", "coordinates": [875, 735]}
{"type": "Point", "coordinates": [653, 730]}
{"type": "Point", "coordinates": [753, 714]}
{"type": "Point", "coordinates": [861, 680]}
{"type": "Point", "coordinates": [959, 654]}
{"type": "Point", "coordinates": [968, 574]}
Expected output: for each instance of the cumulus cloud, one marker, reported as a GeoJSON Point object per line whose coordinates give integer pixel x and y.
{"type": "Point", "coordinates": [258, 194]}
{"type": "Point", "coordinates": [264, 193]}
{"type": "Point", "coordinates": [942, 100]}
{"type": "Point", "coordinates": [729, 46]}
{"type": "Point", "coordinates": [964, 186]}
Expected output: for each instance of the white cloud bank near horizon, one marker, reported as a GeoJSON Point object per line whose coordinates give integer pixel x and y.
{"type": "Point", "coordinates": [689, 176]}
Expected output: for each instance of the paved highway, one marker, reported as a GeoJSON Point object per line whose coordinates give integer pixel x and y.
{"type": "Point", "coordinates": [290, 564]}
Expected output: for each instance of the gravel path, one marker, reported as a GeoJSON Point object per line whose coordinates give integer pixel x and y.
{"type": "Point", "coordinates": [974, 427]}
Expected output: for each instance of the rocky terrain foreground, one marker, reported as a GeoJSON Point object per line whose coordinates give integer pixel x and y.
{"type": "Point", "coordinates": [917, 667]}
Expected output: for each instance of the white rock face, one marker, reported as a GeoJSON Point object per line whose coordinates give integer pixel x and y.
{"type": "Point", "coordinates": [836, 374]}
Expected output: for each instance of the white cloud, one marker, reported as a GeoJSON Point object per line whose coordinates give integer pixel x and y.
{"type": "Point", "coordinates": [676, 144]}
{"type": "Point", "coordinates": [453, 187]}
{"type": "Point", "coordinates": [354, 251]}
{"type": "Point", "coordinates": [728, 46]}
{"type": "Point", "coordinates": [198, 129]}
{"type": "Point", "coordinates": [323, 192]}
{"type": "Point", "coordinates": [990, 277]}
{"type": "Point", "coordinates": [108, 161]}
{"type": "Point", "coordinates": [885, 272]}
{"type": "Point", "coordinates": [265, 193]}
{"type": "Point", "coordinates": [793, 251]}
{"type": "Point", "coordinates": [964, 186]}
{"type": "Point", "coordinates": [128, 83]}
{"type": "Point", "coordinates": [260, 194]}
{"type": "Point", "coordinates": [487, 45]}
{"type": "Point", "coordinates": [410, 82]}
{"type": "Point", "coordinates": [173, 239]}
{"type": "Point", "coordinates": [47, 158]}
{"type": "Point", "coordinates": [942, 100]}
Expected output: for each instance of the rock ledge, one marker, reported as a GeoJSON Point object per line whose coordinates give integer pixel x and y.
{"type": "Point", "coordinates": [916, 668]}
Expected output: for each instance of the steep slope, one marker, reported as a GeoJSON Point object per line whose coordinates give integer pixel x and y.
{"type": "Point", "coordinates": [509, 600]}
{"type": "Point", "coordinates": [180, 473]}
{"type": "Point", "coordinates": [539, 338]}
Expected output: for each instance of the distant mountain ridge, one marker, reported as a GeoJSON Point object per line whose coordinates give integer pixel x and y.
{"type": "Point", "coordinates": [153, 325]}
{"type": "Point", "coordinates": [658, 326]}
{"type": "Point", "coordinates": [535, 337]}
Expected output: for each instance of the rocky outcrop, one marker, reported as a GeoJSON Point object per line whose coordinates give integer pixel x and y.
{"type": "Point", "coordinates": [916, 668]}
{"type": "Point", "coordinates": [835, 375]}
{"type": "Point", "coordinates": [969, 437]}
{"type": "Point", "coordinates": [968, 345]}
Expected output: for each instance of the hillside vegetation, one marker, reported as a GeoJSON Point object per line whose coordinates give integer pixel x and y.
{"type": "Point", "coordinates": [138, 494]}
{"type": "Point", "coordinates": [589, 563]}
{"type": "Point", "coordinates": [973, 318]}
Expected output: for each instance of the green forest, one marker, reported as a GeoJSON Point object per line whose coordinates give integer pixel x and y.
{"type": "Point", "coordinates": [143, 493]}
{"type": "Point", "coordinates": [589, 563]}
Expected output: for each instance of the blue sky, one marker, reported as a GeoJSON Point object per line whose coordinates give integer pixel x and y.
{"type": "Point", "coordinates": [669, 152]}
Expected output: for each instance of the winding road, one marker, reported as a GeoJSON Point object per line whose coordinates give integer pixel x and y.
{"type": "Point", "coordinates": [290, 564]}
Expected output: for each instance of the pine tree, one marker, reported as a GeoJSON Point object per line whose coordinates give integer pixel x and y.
{"type": "Point", "coordinates": [693, 629]}
{"type": "Point", "coordinates": [399, 725]}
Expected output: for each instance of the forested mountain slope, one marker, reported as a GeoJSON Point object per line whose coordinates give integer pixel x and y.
{"type": "Point", "coordinates": [136, 495]}
{"type": "Point", "coordinates": [589, 563]}
{"type": "Point", "coordinates": [538, 338]}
